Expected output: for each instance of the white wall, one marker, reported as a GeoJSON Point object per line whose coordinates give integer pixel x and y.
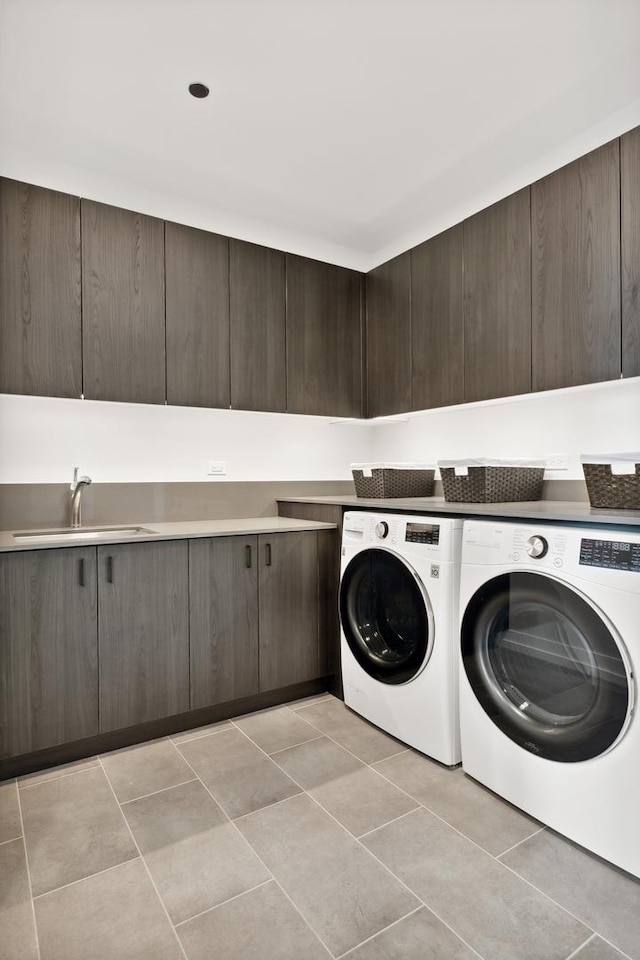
{"type": "Point", "coordinates": [42, 439]}
{"type": "Point", "coordinates": [598, 418]}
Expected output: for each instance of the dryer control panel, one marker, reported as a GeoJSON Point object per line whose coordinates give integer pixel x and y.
{"type": "Point", "coordinates": [611, 554]}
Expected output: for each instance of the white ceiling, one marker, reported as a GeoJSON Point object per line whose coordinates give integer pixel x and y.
{"type": "Point", "coordinates": [343, 129]}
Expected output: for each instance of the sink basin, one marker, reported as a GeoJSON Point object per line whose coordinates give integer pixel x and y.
{"type": "Point", "coordinates": [81, 533]}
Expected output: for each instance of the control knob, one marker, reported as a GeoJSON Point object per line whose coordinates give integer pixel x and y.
{"type": "Point", "coordinates": [382, 529]}
{"type": "Point", "coordinates": [537, 547]}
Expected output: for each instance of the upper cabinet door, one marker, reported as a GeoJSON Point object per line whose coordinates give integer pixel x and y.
{"type": "Point", "coordinates": [324, 338]}
{"type": "Point", "coordinates": [257, 303]}
{"type": "Point", "coordinates": [197, 265]}
{"type": "Point", "coordinates": [575, 220]}
{"type": "Point", "coordinates": [122, 305]}
{"type": "Point", "coordinates": [630, 233]}
{"type": "Point", "coordinates": [40, 319]}
{"type": "Point", "coordinates": [437, 335]}
{"type": "Point", "coordinates": [388, 289]}
{"type": "Point", "coordinates": [497, 300]}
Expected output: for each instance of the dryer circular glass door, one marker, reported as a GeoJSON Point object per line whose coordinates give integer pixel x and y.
{"type": "Point", "coordinates": [545, 667]}
{"type": "Point", "coordinates": [386, 617]}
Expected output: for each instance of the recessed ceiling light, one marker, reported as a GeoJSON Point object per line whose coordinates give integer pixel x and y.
{"type": "Point", "coordinates": [198, 90]}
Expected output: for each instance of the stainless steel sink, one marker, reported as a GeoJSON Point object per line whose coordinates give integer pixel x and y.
{"type": "Point", "coordinates": [72, 534]}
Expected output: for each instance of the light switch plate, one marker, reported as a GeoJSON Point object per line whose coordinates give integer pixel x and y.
{"type": "Point", "coordinates": [558, 461]}
{"type": "Point", "coordinates": [216, 468]}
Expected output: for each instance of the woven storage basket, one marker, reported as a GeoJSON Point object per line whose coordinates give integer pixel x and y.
{"type": "Point", "coordinates": [380, 480]}
{"type": "Point", "coordinates": [613, 480]}
{"type": "Point", "coordinates": [491, 481]}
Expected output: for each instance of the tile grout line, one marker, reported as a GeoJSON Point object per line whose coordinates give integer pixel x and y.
{"type": "Point", "coordinates": [524, 840]}
{"type": "Point", "coordinates": [303, 706]}
{"type": "Point", "coordinates": [446, 822]}
{"type": "Point", "coordinates": [549, 898]}
{"type": "Point", "coordinates": [370, 853]}
{"type": "Point", "coordinates": [257, 855]}
{"type": "Point", "coordinates": [144, 864]}
{"type": "Point", "coordinates": [11, 840]}
{"type": "Point", "coordinates": [389, 926]}
{"type": "Point", "coordinates": [614, 947]}
{"type": "Point", "coordinates": [388, 823]}
{"type": "Point", "coordinates": [293, 745]}
{"type": "Point", "coordinates": [90, 876]}
{"type": "Point", "coordinates": [223, 903]}
{"type": "Point", "coordinates": [144, 796]}
{"type": "Point", "coordinates": [574, 953]}
{"type": "Point", "coordinates": [398, 754]}
{"type": "Point", "coordinates": [201, 736]}
{"type": "Point", "coordinates": [61, 776]}
{"type": "Point", "coordinates": [267, 806]}
{"type": "Point", "coordinates": [26, 860]}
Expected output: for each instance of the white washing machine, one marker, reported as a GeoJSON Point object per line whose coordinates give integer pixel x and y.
{"type": "Point", "coordinates": [550, 641]}
{"type": "Point", "coordinates": [398, 615]}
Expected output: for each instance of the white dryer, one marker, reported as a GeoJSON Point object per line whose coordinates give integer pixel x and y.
{"type": "Point", "coordinates": [550, 642]}
{"type": "Point", "coordinates": [398, 615]}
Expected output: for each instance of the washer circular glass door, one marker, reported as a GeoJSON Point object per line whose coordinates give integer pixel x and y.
{"type": "Point", "coordinates": [386, 617]}
{"type": "Point", "coordinates": [545, 667]}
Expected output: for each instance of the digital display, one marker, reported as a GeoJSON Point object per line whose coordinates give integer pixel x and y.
{"type": "Point", "coordinates": [422, 533]}
{"type": "Point", "coordinates": [611, 554]}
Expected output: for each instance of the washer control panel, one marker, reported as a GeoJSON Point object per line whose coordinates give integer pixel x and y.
{"type": "Point", "coordinates": [611, 554]}
{"type": "Point", "coordinates": [381, 530]}
{"type": "Point", "coordinates": [416, 532]}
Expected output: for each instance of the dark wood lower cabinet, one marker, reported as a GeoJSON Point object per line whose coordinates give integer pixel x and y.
{"type": "Point", "coordinates": [329, 543]}
{"type": "Point", "coordinates": [96, 641]}
{"type": "Point", "coordinates": [143, 625]}
{"type": "Point", "coordinates": [48, 649]}
{"type": "Point", "coordinates": [223, 613]}
{"type": "Point", "coordinates": [288, 605]}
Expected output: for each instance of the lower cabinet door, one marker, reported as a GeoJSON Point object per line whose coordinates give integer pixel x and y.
{"type": "Point", "coordinates": [288, 602]}
{"type": "Point", "coordinates": [48, 649]}
{"type": "Point", "coordinates": [223, 608]}
{"type": "Point", "coordinates": [143, 629]}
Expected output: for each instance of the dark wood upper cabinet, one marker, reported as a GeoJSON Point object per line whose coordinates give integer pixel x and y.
{"type": "Point", "coordinates": [388, 298]}
{"type": "Point", "coordinates": [257, 302]}
{"type": "Point", "coordinates": [575, 222]}
{"type": "Point", "coordinates": [497, 299]}
{"type": "Point", "coordinates": [324, 338]}
{"type": "Point", "coordinates": [630, 260]}
{"type": "Point", "coordinates": [288, 603]}
{"type": "Point", "coordinates": [40, 318]}
{"type": "Point", "coordinates": [437, 335]}
{"type": "Point", "coordinates": [48, 648]}
{"type": "Point", "coordinates": [197, 268]}
{"type": "Point", "coordinates": [223, 616]}
{"type": "Point", "coordinates": [143, 624]}
{"type": "Point", "coordinates": [122, 305]}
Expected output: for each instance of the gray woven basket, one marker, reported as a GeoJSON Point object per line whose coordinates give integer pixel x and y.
{"type": "Point", "coordinates": [385, 482]}
{"type": "Point", "coordinates": [606, 489]}
{"type": "Point", "coordinates": [492, 484]}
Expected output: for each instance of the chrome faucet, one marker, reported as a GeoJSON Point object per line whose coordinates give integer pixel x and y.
{"type": "Point", "coordinates": [77, 486]}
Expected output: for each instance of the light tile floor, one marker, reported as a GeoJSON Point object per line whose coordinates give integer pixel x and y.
{"type": "Point", "coordinates": [297, 833]}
